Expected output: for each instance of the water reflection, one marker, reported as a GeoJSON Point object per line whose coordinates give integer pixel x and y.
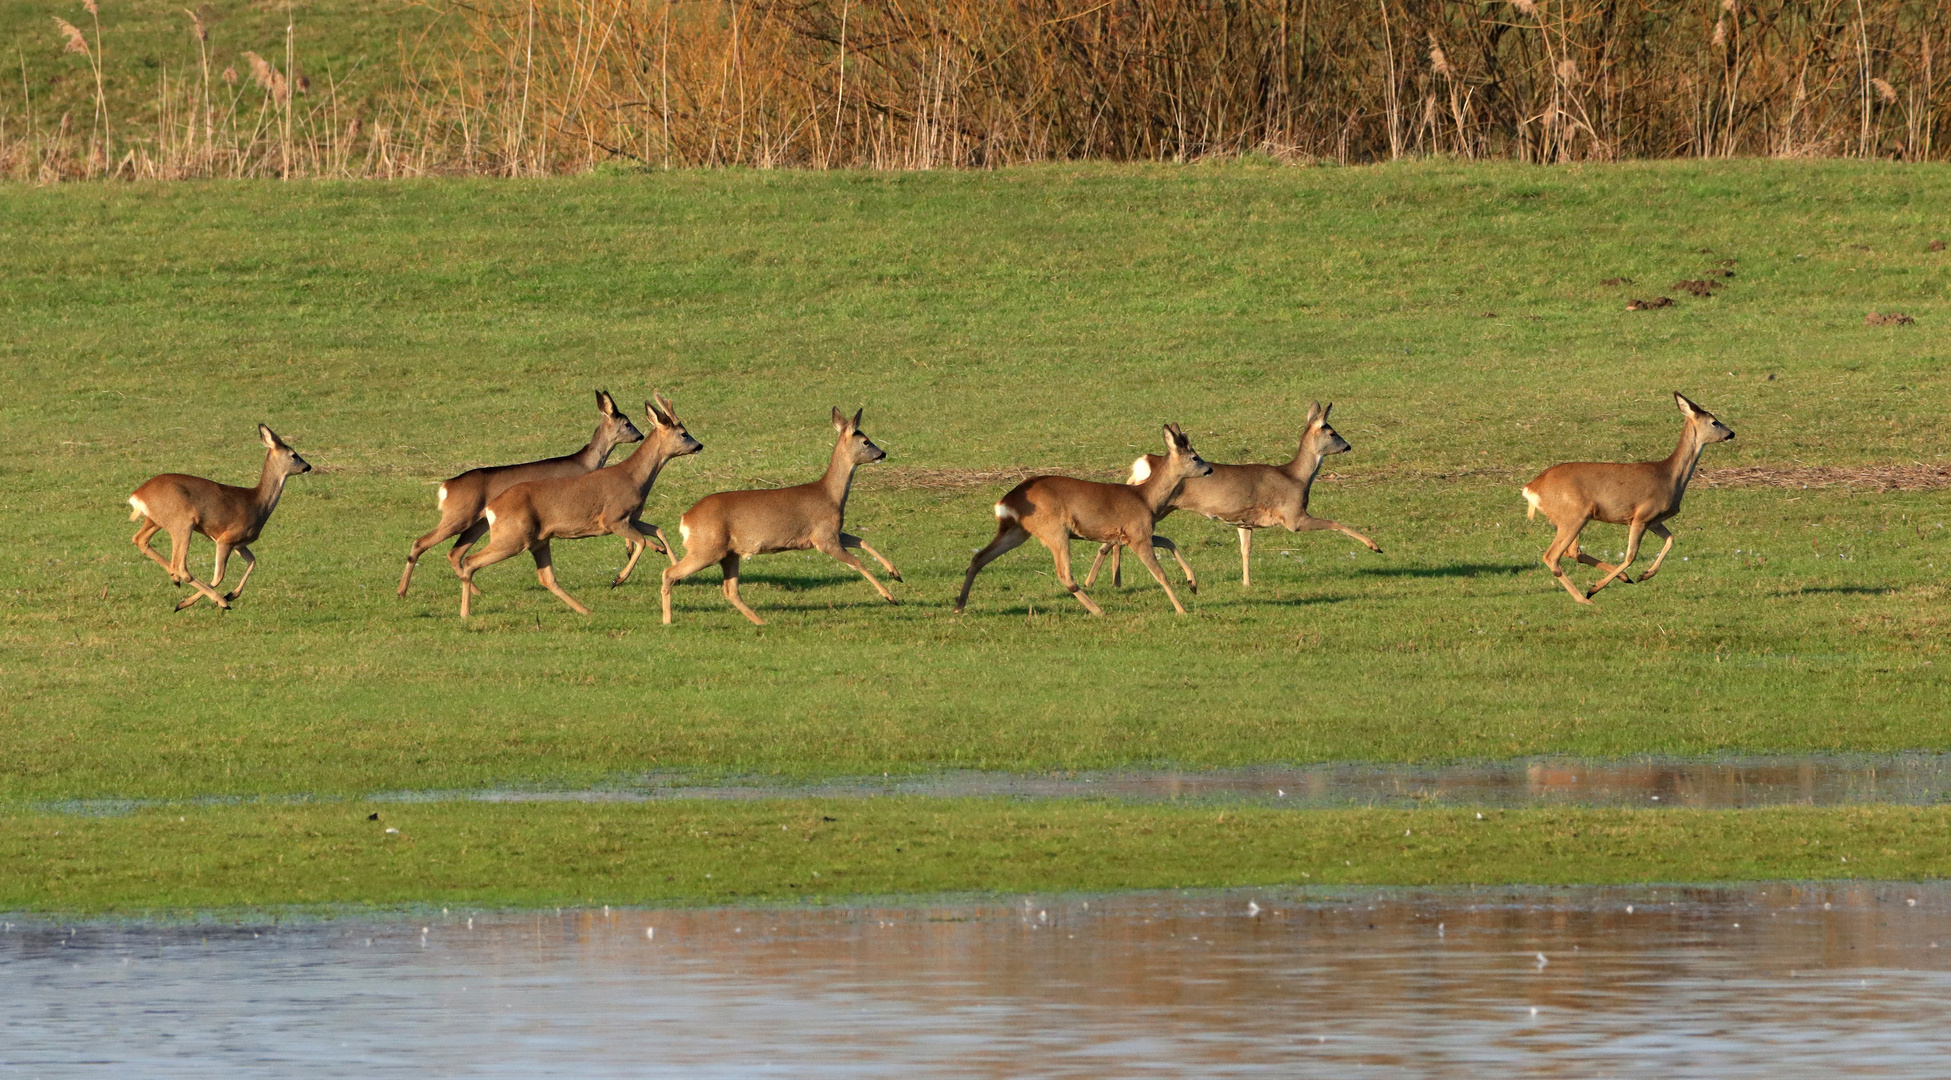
{"type": "Point", "coordinates": [1772, 980]}
{"type": "Point", "coordinates": [1911, 779]}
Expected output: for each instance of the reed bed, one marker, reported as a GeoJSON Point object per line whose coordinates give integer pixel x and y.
{"type": "Point", "coordinates": [525, 87]}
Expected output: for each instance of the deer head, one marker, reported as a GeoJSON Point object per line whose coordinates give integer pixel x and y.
{"type": "Point", "coordinates": [854, 443]}
{"type": "Point", "coordinates": [1703, 425]}
{"type": "Point", "coordinates": [282, 457]}
{"type": "Point", "coordinates": [667, 430]}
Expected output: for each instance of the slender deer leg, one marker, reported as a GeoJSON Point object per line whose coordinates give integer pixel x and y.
{"type": "Point", "coordinates": [669, 551]}
{"type": "Point", "coordinates": [1117, 567]}
{"type": "Point", "coordinates": [420, 547]}
{"type": "Point", "coordinates": [487, 556]}
{"type": "Point", "coordinates": [1578, 553]}
{"type": "Point", "coordinates": [1246, 557]}
{"type": "Point", "coordinates": [1567, 537]}
{"type": "Point", "coordinates": [694, 560]}
{"type": "Point", "coordinates": [730, 566]}
{"type": "Point", "coordinates": [1006, 539]}
{"type": "Point", "coordinates": [1145, 555]}
{"type": "Point", "coordinates": [1315, 524]}
{"type": "Point", "coordinates": [217, 567]}
{"type": "Point", "coordinates": [634, 541]}
{"type": "Point", "coordinates": [852, 541]}
{"type": "Point", "coordinates": [466, 540]}
{"type": "Point", "coordinates": [1060, 552]}
{"type": "Point", "coordinates": [839, 551]}
{"type": "Point", "coordinates": [250, 564]}
{"type": "Point", "coordinates": [1192, 583]}
{"type": "Point", "coordinates": [141, 541]}
{"type": "Point", "coordinates": [1090, 578]}
{"type": "Point", "coordinates": [545, 573]}
{"type": "Point", "coordinates": [1660, 531]}
{"type": "Point", "coordinates": [1634, 530]}
{"type": "Point", "coordinates": [180, 553]}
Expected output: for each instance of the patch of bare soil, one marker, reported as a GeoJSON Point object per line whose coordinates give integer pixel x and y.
{"type": "Point", "coordinates": [1937, 245]}
{"type": "Point", "coordinates": [1695, 286]}
{"type": "Point", "coordinates": [1648, 305]}
{"type": "Point", "coordinates": [1872, 477]}
{"type": "Point", "coordinates": [1894, 318]}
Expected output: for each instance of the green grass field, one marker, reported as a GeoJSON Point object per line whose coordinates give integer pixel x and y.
{"type": "Point", "coordinates": [1053, 318]}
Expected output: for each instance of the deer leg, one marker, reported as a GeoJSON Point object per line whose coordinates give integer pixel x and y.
{"type": "Point", "coordinates": [1660, 531]}
{"type": "Point", "coordinates": [545, 573]}
{"type": "Point", "coordinates": [421, 546]}
{"type": "Point", "coordinates": [1246, 557]}
{"type": "Point", "coordinates": [180, 555]}
{"type": "Point", "coordinates": [141, 541]}
{"type": "Point", "coordinates": [1315, 524]}
{"type": "Point", "coordinates": [1007, 537]}
{"type": "Point", "coordinates": [1150, 559]}
{"type": "Point", "coordinates": [250, 564]}
{"type": "Point", "coordinates": [851, 541]}
{"type": "Point", "coordinates": [1566, 539]}
{"type": "Point", "coordinates": [1634, 530]}
{"type": "Point", "coordinates": [1060, 552]}
{"type": "Point", "coordinates": [730, 566]}
{"type": "Point", "coordinates": [1117, 567]}
{"type": "Point", "coordinates": [663, 542]}
{"type": "Point", "coordinates": [487, 556]}
{"type": "Point", "coordinates": [839, 551]}
{"type": "Point", "coordinates": [694, 560]}
{"type": "Point", "coordinates": [466, 540]}
{"type": "Point", "coordinates": [1192, 583]}
{"type": "Point", "coordinates": [1090, 576]}
{"type": "Point", "coordinates": [634, 542]}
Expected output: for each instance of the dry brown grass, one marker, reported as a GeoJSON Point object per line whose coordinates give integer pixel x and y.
{"type": "Point", "coordinates": [540, 86]}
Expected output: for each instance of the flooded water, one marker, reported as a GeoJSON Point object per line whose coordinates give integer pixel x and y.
{"type": "Point", "coordinates": [1910, 779]}
{"type": "Point", "coordinates": [1771, 980]}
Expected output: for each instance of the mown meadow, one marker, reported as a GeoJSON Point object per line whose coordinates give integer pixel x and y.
{"type": "Point", "coordinates": [989, 324]}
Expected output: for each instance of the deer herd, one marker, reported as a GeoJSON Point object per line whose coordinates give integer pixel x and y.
{"type": "Point", "coordinates": [529, 506]}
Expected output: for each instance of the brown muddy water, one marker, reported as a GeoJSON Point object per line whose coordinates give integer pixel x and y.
{"type": "Point", "coordinates": [1774, 980]}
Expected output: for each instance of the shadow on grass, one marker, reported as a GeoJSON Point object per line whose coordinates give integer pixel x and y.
{"type": "Point", "coordinates": [1453, 570]}
{"type": "Point", "coordinates": [1847, 590]}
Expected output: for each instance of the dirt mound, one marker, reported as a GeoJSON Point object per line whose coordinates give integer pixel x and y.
{"type": "Point", "coordinates": [1894, 318]}
{"type": "Point", "coordinates": [1695, 286]}
{"type": "Point", "coordinates": [1648, 305]}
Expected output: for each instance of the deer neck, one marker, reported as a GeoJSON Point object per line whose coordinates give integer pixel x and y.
{"type": "Point", "coordinates": [270, 487]}
{"type": "Point", "coordinates": [1305, 466]}
{"type": "Point", "coordinates": [643, 466]}
{"type": "Point", "coordinates": [839, 478]}
{"type": "Point", "coordinates": [1686, 456]}
{"type": "Point", "coordinates": [595, 452]}
{"type": "Point", "coordinates": [1157, 489]}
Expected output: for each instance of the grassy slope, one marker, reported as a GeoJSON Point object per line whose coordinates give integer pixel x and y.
{"type": "Point", "coordinates": [474, 854]}
{"type": "Point", "coordinates": [398, 333]}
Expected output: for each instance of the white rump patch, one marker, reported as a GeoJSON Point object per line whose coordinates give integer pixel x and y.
{"type": "Point", "coordinates": [443, 494]}
{"type": "Point", "coordinates": [684, 532]}
{"type": "Point", "coordinates": [140, 509]}
{"type": "Point", "coordinates": [1532, 498]}
{"type": "Point", "coordinates": [1141, 471]}
{"type": "Point", "coordinates": [491, 518]}
{"type": "Point", "coordinates": [1004, 513]}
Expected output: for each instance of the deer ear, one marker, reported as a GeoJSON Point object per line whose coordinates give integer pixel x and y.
{"type": "Point", "coordinates": [270, 437]}
{"type": "Point", "coordinates": [656, 417]}
{"type": "Point", "coordinates": [1687, 408]}
{"type": "Point", "coordinates": [1316, 414]}
{"type": "Point", "coordinates": [854, 424]}
{"type": "Point", "coordinates": [605, 404]}
{"type": "Point", "coordinates": [839, 421]}
{"type": "Point", "coordinates": [664, 403]}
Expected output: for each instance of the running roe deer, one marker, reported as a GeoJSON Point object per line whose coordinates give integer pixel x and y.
{"type": "Point", "coordinates": [529, 515]}
{"type": "Point", "coordinates": [465, 497]}
{"type": "Point", "coordinates": [1640, 495]}
{"type": "Point", "coordinates": [232, 517]}
{"type": "Point", "coordinates": [725, 527]}
{"type": "Point", "coordinates": [1054, 509]}
{"type": "Point", "coordinates": [1250, 497]}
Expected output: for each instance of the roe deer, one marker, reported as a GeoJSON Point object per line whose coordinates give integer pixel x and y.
{"type": "Point", "coordinates": [463, 498]}
{"type": "Point", "coordinates": [232, 517]}
{"type": "Point", "coordinates": [1054, 509]}
{"type": "Point", "coordinates": [730, 525]}
{"type": "Point", "coordinates": [529, 515]}
{"type": "Point", "coordinates": [1250, 497]}
{"type": "Point", "coordinates": [1640, 495]}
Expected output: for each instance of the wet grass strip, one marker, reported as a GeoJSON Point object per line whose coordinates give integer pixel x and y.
{"type": "Point", "coordinates": [199, 858]}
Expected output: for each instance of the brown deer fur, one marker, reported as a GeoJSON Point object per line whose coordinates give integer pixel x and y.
{"type": "Point", "coordinates": [528, 516]}
{"type": "Point", "coordinates": [730, 525]}
{"type": "Point", "coordinates": [1055, 509]}
{"type": "Point", "coordinates": [1250, 497]}
{"type": "Point", "coordinates": [1641, 495]}
{"type": "Point", "coordinates": [465, 498]}
{"type": "Point", "coordinates": [232, 517]}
